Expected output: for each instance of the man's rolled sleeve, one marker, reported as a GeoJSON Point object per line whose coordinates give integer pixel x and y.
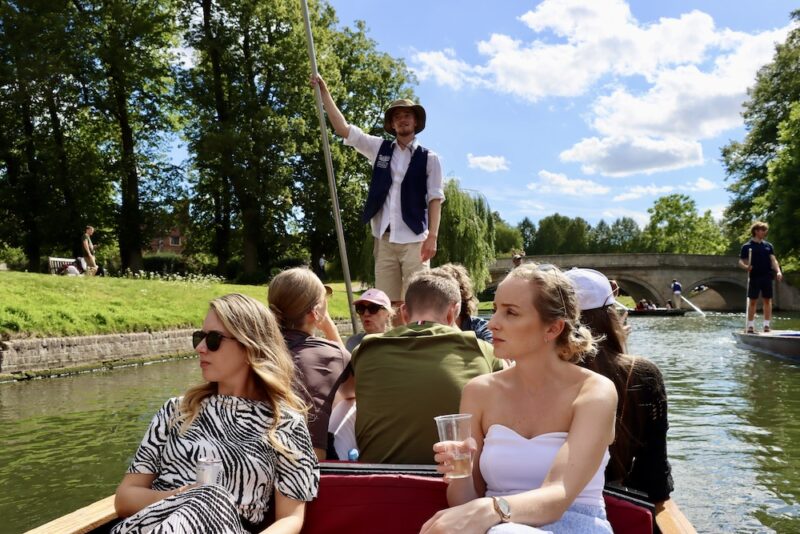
{"type": "Point", "coordinates": [434, 169]}
{"type": "Point", "coordinates": [366, 145]}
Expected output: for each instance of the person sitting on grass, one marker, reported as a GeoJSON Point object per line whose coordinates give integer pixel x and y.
{"type": "Point", "coordinates": [245, 414]}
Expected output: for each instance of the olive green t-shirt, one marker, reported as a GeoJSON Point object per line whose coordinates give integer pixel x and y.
{"type": "Point", "coordinates": [405, 378]}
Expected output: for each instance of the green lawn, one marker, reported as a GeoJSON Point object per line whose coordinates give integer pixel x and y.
{"type": "Point", "coordinates": [38, 305]}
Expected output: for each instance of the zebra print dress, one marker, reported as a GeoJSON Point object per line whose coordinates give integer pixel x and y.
{"type": "Point", "coordinates": [232, 429]}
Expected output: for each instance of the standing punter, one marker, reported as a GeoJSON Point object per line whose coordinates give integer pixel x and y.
{"type": "Point", "coordinates": [405, 196]}
{"type": "Point", "coordinates": [763, 268]}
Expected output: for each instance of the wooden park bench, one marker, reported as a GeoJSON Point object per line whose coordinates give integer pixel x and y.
{"type": "Point", "coordinates": [56, 265]}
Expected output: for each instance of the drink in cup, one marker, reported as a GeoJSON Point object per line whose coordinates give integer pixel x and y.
{"type": "Point", "coordinates": [208, 470]}
{"type": "Point", "coordinates": [453, 430]}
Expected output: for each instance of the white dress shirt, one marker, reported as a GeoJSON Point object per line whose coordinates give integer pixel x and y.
{"type": "Point", "coordinates": [390, 213]}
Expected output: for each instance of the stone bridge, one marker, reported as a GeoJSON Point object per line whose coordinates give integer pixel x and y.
{"type": "Point", "coordinates": [650, 276]}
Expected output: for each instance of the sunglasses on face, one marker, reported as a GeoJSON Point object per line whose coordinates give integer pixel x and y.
{"type": "Point", "coordinates": [373, 308]}
{"type": "Point", "coordinates": [213, 339]}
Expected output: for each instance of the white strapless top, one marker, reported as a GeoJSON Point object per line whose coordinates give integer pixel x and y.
{"type": "Point", "coordinates": [512, 464]}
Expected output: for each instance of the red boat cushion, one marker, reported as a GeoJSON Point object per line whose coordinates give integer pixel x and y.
{"type": "Point", "coordinates": [628, 518]}
{"type": "Point", "coordinates": [400, 504]}
{"type": "Point", "coordinates": [365, 504]}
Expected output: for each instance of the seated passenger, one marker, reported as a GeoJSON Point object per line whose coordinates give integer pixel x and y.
{"type": "Point", "coordinates": [415, 372]}
{"type": "Point", "coordinates": [299, 301]}
{"type": "Point", "coordinates": [245, 414]}
{"type": "Point", "coordinates": [375, 311]}
{"type": "Point", "coordinates": [639, 453]}
{"type": "Point", "coordinates": [540, 429]}
{"type": "Point", "coordinates": [467, 319]}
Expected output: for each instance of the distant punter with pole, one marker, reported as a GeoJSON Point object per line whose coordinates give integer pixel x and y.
{"type": "Point", "coordinates": [763, 267]}
{"type": "Point", "coordinates": [405, 193]}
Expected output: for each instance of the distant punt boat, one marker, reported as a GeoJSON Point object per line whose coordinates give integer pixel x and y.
{"type": "Point", "coordinates": [657, 312]}
{"type": "Point", "coordinates": [779, 343]}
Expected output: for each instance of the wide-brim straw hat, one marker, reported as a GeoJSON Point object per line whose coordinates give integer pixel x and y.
{"type": "Point", "coordinates": [419, 113]}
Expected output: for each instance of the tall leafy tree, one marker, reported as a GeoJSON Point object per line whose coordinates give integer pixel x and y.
{"type": "Point", "coordinates": [625, 235]}
{"type": "Point", "coordinates": [552, 234]}
{"type": "Point", "coordinates": [675, 227]}
{"type": "Point", "coordinates": [783, 195]}
{"type": "Point", "coordinates": [507, 238]}
{"type": "Point", "coordinates": [600, 238]}
{"type": "Point", "coordinates": [776, 90]}
{"type": "Point", "coordinates": [465, 233]}
{"type": "Point", "coordinates": [528, 231]}
{"type": "Point", "coordinates": [132, 78]}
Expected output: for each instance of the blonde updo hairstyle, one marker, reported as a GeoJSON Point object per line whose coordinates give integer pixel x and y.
{"type": "Point", "coordinates": [254, 327]}
{"type": "Point", "coordinates": [554, 298]}
{"type": "Point", "coordinates": [292, 294]}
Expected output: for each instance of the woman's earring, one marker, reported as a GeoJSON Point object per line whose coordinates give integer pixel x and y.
{"type": "Point", "coordinates": [546, 340]}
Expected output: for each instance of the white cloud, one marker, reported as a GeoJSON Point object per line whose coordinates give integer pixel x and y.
{"type": "Point", "coordinates": [624, 156]}
{"type": "Point", "coordinates": [445, 69]}
{"type": "Point", "coordinates": [487, 163]}
{"type": "Point", "coordinates": [641, 217]}
{"type": "Point", "coordinates": [550, 182]}
{"type": "Point", "coordinates": [638, 191]}
{"type": "Point", "coordinates": [701, 184]}
{"type": "Point", "coordinates": [695, 78]}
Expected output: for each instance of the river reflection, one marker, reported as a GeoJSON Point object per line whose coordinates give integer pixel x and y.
{"type": "Point", "coordinates": [734, 439]}
{"type": "Point", "coordinates": [66, 442]}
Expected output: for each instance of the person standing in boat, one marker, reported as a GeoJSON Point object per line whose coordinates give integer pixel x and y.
{"type": "Point", "coordinates": [405, 196]}
{"type": "Point", "coordinates": [676, 294]}
{"type": "Point", "coordinates": [639, 452]}
{"type": "Point", "coordinates": [247, 416]}
{"type": "Point", "coordinates": [758, 257]}
{"type": "Point", "coordinates": [541, 428]}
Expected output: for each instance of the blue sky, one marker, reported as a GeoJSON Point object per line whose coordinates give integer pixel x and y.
{"type": "Point", "coordinates": [585, 108]}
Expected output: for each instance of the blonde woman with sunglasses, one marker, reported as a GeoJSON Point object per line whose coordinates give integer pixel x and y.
{"type": "Point", "coordinates": [541, 428]}
{"type": "Point", "coordinates": [245, 418]}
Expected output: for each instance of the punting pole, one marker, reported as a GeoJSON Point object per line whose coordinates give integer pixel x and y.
{"type": "Point", "coordinates": [312, 56]}
{"type": "Point", "coordinates": [689, 302]}
{"type": "Point", "coordinates": [747, 290]}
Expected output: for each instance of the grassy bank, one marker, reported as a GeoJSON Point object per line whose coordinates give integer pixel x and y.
{"type": "Point", "coordinates": [40, 305]}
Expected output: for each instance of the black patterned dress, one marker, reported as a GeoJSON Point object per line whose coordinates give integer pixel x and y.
{"type": "Point", "coordinates": [233, 430]}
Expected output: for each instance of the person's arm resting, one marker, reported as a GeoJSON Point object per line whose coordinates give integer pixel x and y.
{"type": "Point", "coordinates": [776, 267]}
{"type": "Point", "coordinates": [289, 515]}
{"type": "Point", "coordinates": [135, 493]}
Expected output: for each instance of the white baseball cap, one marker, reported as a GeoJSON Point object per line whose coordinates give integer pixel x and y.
{"type": "Point", "coordinates": [592, 288]}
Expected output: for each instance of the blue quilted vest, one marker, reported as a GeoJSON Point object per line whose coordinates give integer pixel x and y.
{"type": "Point", "coordinates": [413, 189]}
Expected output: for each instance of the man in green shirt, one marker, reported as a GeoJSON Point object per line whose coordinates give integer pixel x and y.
{"type": "Point", "coordinates": [411, 374]}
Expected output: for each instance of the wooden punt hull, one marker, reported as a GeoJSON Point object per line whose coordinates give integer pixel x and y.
{"type": "Point", "coordinates": [662, 312]}
{"type": "Point", "coordinates": [393, 499]}
{"type": "Point", "coordinates": [783, 344]}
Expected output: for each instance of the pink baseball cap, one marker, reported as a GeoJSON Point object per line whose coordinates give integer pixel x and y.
{"type": "Point", "coordinates": [375, 296]}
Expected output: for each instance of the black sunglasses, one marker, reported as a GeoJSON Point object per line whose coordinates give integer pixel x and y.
{"type": "Point", "coordinates": [213, 339]}
{"type": "Point", "coordinates": [372, 307]}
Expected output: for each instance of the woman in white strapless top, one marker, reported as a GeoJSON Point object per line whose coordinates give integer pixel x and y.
{"type": "Point", "coordinates": [541, 428]}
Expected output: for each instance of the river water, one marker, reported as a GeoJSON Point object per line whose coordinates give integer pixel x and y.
{"type": "Point", "coordinates": [734, 439]}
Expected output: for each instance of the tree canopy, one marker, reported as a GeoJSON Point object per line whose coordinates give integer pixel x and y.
{"type": "Point", "coordinates": [763, 167]}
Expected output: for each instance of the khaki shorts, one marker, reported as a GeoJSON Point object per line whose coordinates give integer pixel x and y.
{"type": "Point", "coordinates": [394, 265]}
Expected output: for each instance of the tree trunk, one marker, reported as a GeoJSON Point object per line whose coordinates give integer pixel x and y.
{"type": "Point", "coordinates": [130, 222]}
{"type": "Point", "coordinates": [30, 187]}
{"type": "Point", "coordinates": [71, 229]}
{"type": "Point", "coordinates": [222, 216]}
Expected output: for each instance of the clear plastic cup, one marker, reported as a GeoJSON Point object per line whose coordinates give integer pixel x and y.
{"type": "Point", "coordinates": [454, 429]}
